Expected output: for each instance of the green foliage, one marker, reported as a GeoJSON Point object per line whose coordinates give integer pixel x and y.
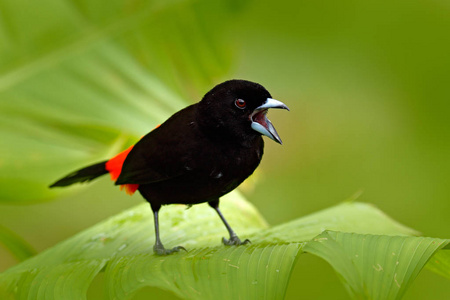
{"type": "Point", "coordinates": [18, 247]}
{"type": "Point", "coordinates": [440, 263]}
{"type": "Point", "coordinates": [71, 79]}
{"type": "Point", "coordinates": [377, 266]}
{"type": "Point", "coordinates": [73, 72]}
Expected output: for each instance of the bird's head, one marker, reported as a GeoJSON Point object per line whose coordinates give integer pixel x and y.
{"type": "Point", "coordinates": [238, 109]}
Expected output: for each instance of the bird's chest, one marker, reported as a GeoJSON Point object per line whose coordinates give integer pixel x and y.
{"type": "Point", "coordinates": [229, 166]}
{"type": "Point", "coordinates": [209, 172]}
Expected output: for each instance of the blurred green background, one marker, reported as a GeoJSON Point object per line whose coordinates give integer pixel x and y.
{"type": "Point", "coordinates": [367, 83]}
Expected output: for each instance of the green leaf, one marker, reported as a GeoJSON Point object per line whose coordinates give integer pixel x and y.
{"type": "Point", "coordinates": [18, 247]}
{"type": "Point", "coordinates": [122, 247]}
{"type": "Point", "coordinates": [348, 216]}
{"type": "Point", "coordinates": [375, 266]}
{"type": "Point", "coordinates": [253, 272]}
{"type": "Point", "coordinates": [80, 80]}
{"type": "Point", "coordinates": [440, 263]}
{"type": "Point", "coordinates": [127, 234]}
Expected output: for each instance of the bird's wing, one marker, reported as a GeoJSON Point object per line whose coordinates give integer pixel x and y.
{"type": "Point", "coordinates": [150, 162]}
{"type": "Point", "coordinates": [162, 154]}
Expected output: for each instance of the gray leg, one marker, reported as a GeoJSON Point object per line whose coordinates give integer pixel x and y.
{"type": "Point", "coordinates": [158, 248]}
{"type": "Point", "coordinates": [234, 239]}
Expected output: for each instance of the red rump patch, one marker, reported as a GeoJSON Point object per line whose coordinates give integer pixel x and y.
{"type": "Point", "coordinates": [114, 167]}
{"type": "Point", "coordinates": [130, 188]}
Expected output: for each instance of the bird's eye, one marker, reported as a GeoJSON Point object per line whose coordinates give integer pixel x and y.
{"type": "Point", "coordinates": [240, 103]}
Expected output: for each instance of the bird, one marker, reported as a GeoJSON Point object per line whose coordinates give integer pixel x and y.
{"type": "Point", "coordinates": [197, 155]}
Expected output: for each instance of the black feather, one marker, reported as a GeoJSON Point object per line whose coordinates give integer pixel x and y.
{"type": "Point", "coordinates": [82, 175]}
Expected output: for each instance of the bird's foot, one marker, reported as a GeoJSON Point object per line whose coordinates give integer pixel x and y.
{"type": "Point", "coordinates": [235, 241]}
{"type": "Point", "coordinates": [160, 250]}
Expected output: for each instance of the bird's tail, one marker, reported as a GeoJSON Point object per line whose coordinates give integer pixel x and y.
{"type": "Point", "coordinates": [112, 166]}
{"type": "Point", "coordinates": [83, 175]}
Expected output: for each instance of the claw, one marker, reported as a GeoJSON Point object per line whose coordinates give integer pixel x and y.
{"type": "Point", "coordinates": [160, 250]}
{"type": "Point", "coordinates": [235, 241]}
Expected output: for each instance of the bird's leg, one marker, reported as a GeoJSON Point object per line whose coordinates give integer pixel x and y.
{"type": "Point", "coordinates": [158, 248]}
{"type": "Point", "coordinates": [234, 239]}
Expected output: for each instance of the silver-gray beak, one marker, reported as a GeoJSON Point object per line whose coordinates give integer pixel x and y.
{"type": "Point", "coordinates": [261, 123]}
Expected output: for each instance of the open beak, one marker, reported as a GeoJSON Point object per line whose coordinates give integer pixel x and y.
{"type": "Point", "coordinates": [260, 122]}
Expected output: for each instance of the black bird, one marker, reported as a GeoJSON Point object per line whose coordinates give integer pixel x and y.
{"type": "Point", "coordinates": [199, 154]}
